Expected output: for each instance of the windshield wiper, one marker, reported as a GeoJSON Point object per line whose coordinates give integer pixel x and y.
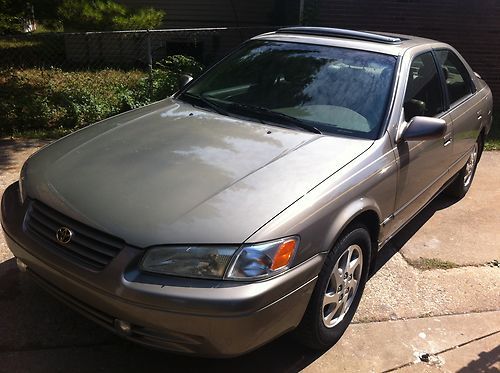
{"type": "Point", "coordinates": [207, 102]}
{"type": "Point", "coordinates": [282, 117]}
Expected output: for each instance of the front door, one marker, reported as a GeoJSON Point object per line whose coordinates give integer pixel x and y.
{"type": "Point", "coordinates": [423, 164]}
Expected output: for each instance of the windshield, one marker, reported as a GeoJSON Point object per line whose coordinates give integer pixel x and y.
{"type": "Point", "coordinates": [320, 88]}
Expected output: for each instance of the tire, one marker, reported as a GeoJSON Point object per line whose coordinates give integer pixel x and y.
{"type": "Point", "coordinates": [323, 325]}
{"type": "Point", "coordinates": [463, 180]}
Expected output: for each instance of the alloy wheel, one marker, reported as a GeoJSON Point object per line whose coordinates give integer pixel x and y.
{"type": "Point", "coordinates": [342, 286]}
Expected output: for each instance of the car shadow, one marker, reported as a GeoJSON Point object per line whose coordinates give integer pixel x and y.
{"type": "Point", "coordinates": [485, 362]}
{"type": "Point", "coordinates": [392, 247]}
{"type": "Point", "coordinates": [41, 334]}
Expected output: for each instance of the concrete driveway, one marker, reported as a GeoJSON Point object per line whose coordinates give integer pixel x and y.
{"type": "Point", "coordinates": [432, 304]}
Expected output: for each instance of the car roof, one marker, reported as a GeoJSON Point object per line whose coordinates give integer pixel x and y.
{"type": "Point", "coordinates": [381, 42]}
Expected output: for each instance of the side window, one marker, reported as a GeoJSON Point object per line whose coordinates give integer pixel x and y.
{"type": "Point", "coordinates": [457, 77]}
{"type": "Point", "coordinates": [423, 94]}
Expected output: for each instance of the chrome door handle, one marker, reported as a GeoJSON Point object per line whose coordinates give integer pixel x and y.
{"type": "Point", "coordinates": [479, 115]}
{"type": "Point", "coordinates": [448, 142]}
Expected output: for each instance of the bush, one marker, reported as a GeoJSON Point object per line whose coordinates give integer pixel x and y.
{"type": "Point", "coordinates": [105, 15]}
{"type": "Point", "coordinates": [59, 102]}
{"type": "Point", "coordinates": [55, 102]}
{"type": "Point", "coordinates": [167, 72]}
{"type": "Point", "coordinates": [180, 64]}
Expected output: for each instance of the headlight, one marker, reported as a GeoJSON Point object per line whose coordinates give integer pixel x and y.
{"type": "Point", "coordinates": [253, 261]}
{"type": "Point", "coordinates": [189, 261]}
{"type": "Point", "coordinates": [256, 261]}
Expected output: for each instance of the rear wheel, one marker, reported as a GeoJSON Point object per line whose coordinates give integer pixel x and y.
{"type": "Point", "coordinates": [338, 290]}
{"type": "Point", "coordinates": [461, 185]}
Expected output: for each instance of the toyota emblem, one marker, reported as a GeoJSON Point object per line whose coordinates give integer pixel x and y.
{"type": "Point", "coordinates": [64, 235]}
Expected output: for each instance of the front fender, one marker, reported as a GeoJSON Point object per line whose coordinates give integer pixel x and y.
{"type": "Point", "coordinates": [349, 213]}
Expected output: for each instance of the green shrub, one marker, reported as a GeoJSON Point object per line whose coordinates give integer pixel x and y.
{"type": "Point", "coordinates": [180, 64]}
{"type": "Point", "coordinates": [53, 102]}
{"type": "Point", "coordinates": [167, 72]}
{"type": "Point", "coordinates": [57, 101]}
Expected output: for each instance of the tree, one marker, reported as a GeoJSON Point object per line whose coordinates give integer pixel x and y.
{"type": "Point", "coordinates": [11, 16]}
{"type": "Point", "coordinates": [100, 15]}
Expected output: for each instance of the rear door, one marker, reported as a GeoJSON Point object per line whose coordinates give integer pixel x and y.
{"type": "Point", "coordinates": [464, 109]}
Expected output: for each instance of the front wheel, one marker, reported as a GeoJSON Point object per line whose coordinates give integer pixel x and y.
{"type": "Point", "coordinates": [338, 290]}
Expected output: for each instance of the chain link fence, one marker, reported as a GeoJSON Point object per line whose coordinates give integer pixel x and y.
{"type": "Point", "coordinates": [119, 49]}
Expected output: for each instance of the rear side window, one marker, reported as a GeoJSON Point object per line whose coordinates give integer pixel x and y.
{"type": "Point", "coordinates": [456, 75]}
{"type": "Point", "coordinates": [423, 95]}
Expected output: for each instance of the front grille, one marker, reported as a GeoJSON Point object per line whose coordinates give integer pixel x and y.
{"type": "Point", "coordinates": [88, 247]}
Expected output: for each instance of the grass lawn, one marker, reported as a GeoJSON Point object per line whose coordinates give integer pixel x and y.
{"type": "Point", "coordinates": [432, 263]}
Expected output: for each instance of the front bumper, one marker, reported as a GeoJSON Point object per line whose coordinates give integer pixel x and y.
{"type": "Point", "coordinates": [192, 316]}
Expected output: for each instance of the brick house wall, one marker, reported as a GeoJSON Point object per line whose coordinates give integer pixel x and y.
{"type": "Point", "coordinates": [471, 26]}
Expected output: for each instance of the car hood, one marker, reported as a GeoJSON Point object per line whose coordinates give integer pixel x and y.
{"type": "Point", "coordinates": [170, 173]}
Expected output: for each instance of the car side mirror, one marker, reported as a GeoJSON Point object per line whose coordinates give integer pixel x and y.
{"type": "Point", "coordinates": [424, 128]}
{"type": "Point", "coordinates": [184, 80]}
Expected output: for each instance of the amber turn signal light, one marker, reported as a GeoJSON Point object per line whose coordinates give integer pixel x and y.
{"type": "Point", "coordinates": [284, 254]}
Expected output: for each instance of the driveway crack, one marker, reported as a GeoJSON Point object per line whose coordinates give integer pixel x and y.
{"type": "Point", "coordinates": [443, 351]}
